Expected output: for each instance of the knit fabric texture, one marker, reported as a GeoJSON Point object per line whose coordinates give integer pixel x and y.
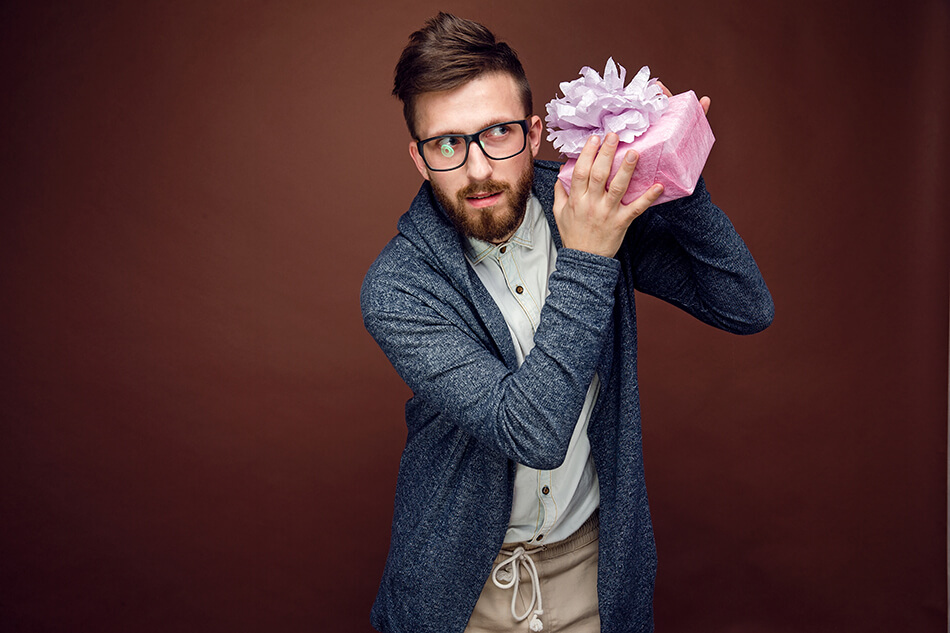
{"type": "Point", "coordinates": [474, 413]}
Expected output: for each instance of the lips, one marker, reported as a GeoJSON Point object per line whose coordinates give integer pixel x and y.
{"type": "Point", "coordinates": [480, 200]}
{"type": "Point", "coordinates": [483, 195]}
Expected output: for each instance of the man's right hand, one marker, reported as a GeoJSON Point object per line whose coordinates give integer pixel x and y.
{"type": "Point", "coordinates": [591, 218]}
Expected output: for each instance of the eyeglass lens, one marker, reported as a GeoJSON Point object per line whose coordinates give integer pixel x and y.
{"type": "Point", "coordinates": [498, 142]}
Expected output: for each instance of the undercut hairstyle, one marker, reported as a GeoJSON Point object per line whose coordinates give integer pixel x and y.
{"type": "Point", "coordinates": [448, 52]}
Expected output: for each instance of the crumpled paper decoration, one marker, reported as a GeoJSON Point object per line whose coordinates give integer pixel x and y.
{"type": "Point", "coordinates": [671, 134]}
{"type": "Point", "coordinates": [592, 105]}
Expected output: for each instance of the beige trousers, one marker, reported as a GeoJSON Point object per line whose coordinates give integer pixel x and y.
{"type": "Point", "coordinates": [568, 578]}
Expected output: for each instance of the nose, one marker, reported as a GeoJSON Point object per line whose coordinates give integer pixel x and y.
{"type": "Point", "coordinates": [478, 165]}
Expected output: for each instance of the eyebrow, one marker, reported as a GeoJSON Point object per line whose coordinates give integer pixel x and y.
{"type": "Point", "coordinates": [494, 121]}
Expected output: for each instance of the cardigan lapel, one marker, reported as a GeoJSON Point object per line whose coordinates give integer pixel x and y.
{"type": "Point", "coordinates": [426, 226]}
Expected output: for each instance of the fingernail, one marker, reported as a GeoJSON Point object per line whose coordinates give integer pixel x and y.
{"type": "Point", "coordinates": [594, 140]}
{"type": "Point", "coordinates": [658, 188]}
{"type": "Point", "coordinates": [631, 157]}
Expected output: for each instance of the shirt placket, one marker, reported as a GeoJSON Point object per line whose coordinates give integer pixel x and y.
{"type": "Point", "coordinates": [546, 499]}
{"type": "Point", "coordinates": [530, 305]}
{"type": "Point", "coordinates": [518, 286]}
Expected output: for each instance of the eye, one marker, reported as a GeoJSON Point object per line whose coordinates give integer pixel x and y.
{"type": "Point", "coordinates": [447, 145]}
{"type": "Point", "coordinates": [499, 131]}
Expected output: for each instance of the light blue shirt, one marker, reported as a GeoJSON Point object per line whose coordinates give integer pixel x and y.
{"type": "Point", "coordinates": [548, 505]}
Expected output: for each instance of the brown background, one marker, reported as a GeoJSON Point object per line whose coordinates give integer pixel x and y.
{"type": "Point", "coordinates": [198, 435]}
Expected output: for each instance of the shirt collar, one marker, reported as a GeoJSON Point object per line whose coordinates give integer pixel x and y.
{"type": "Point", "coordinates": [477, 250]}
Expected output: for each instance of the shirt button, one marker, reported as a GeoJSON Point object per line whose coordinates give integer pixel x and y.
{"type": "Point", "coordinates": [545, 490]}
{"type": "Point", "coordinates": [519, 290]}
{"type": "Point", "coordinates": [503, 249]}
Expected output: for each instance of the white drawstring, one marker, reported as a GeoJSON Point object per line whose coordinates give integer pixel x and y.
{"type": "Point", "coordinates": [511, 577]}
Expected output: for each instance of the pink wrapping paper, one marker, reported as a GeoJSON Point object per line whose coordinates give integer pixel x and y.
{"type": "Point", "coordinates": [673, 152]}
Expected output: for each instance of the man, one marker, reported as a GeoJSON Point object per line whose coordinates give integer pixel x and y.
{"type": "Point", "coordinates": [508, 308]}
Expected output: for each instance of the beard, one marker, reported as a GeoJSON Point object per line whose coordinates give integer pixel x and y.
{"type": "Point", "coordinates": [494, 223]}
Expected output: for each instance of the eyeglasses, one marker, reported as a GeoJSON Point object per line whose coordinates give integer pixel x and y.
{"type": "Point", "coordinates": [497, 141]}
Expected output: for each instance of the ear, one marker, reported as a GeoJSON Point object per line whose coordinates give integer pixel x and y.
{"type": "Point", "coordinates": [417, 159]}
{"type": "Point", "coordinates": [535, 128]}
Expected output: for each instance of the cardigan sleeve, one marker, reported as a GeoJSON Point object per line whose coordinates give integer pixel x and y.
{"type": "Point", "coordinates": [528, 414]}
{"type": "Point", "coordinates": [687, 253]}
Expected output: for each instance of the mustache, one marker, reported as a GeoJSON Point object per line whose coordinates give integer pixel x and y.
{"type": "Point", "coordinates": [487, 187]}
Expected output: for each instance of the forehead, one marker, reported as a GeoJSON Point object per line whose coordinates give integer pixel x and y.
{"type": "Point", "coordinates": [487, 99]}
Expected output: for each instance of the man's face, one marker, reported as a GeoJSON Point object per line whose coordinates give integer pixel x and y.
{"type": "Point", "coordinates": [484, 198]}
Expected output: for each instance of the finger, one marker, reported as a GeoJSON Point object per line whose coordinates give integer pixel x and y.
{"type": "Point", "coordinates": [705, 101]}
{"type": "Point", "coordinates": [642, 203]}
{"type": "Point", "coordinates": [560, 198]}
{"type": "Point", "coordinates": [663, 87]}
{"type": "Point", "coordinates": [581, 176]}
{"type": "Point", "coordinates": [621, 180]}
{"type": "Point", "coordinates": [600, 172]}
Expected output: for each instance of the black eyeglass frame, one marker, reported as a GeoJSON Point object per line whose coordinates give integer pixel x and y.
{"type": "Point", "coordinates": [473, 138]}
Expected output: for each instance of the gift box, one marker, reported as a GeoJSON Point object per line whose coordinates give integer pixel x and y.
{"type": "Point", "coordinates": [671, 134]}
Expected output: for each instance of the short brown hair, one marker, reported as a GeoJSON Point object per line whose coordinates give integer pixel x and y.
{"type": "Point", "coordinates": [448, 52]}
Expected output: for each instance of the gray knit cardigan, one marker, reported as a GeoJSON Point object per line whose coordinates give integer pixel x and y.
{"type": "Point", "coordinates": [474, 413]}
